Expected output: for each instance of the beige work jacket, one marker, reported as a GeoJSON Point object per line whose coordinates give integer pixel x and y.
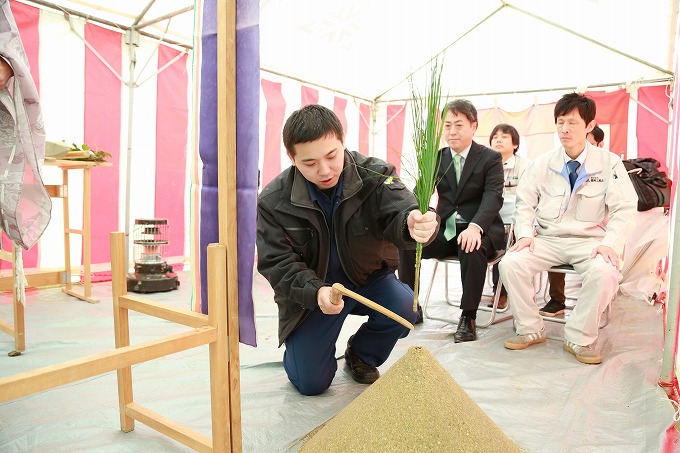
{"type": "Point", "coordinates": [602, 205]}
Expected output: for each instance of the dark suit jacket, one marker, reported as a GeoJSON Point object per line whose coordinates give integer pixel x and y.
{"type": "Point", "coordinates": [478, 196]}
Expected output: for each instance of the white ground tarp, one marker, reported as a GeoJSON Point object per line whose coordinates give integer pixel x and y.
{"type": "Point", "coordinates": [542, 398]}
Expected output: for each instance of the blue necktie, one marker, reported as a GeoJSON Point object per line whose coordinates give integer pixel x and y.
{"type": "Point", "coordinates": [573, 166]}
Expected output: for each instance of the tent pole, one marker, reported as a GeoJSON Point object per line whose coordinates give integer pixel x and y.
{"type": "Point", "coordinates": [668, 362]}
{"type": "Point", "coordinates": [673, 300]}
{"type": "Point", "coordinates": [165, 16]}
{"type": "Point", "coordinates": [663, 81]}
{"type": "Point", "coordinates": [90, 18]}
{"type": "Point", "coordinates": [672, 174]}
{"type": "Point", "coordinates": [589, 39]}
{"type": "Point", "coordinates": [441, 52]}
{"type": "Point", "coordinates": [672, 31]}
{"type": "Point", "coordinates": [374, 113]}
{"type": "Point", "coordinates": [132, 40]}
{"type": "Point", "coordinates": [307, 82]}
{"type": "Point", "coordinates": [141, 15]}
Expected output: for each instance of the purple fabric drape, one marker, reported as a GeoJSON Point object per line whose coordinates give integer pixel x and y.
{"type": "Point", "coordinates": [247, 146]}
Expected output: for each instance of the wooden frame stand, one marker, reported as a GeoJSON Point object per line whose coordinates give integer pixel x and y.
{"type": "Point", "coordinates": [212, 329]}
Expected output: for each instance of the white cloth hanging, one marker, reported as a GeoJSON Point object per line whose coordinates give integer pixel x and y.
{"type": "Point", "coordinates": [24, 202]}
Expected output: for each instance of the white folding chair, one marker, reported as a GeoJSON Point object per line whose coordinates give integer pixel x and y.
{"type": "Point", "coordinates": [490, 263]}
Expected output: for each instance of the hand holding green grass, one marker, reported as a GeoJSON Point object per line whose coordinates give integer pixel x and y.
{"type": "Point", "coordinates": [422, 226]}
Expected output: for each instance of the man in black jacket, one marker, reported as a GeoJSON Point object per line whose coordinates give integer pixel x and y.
{"type": "Point", "coordinates": [335, 216]}
{"type": "Point", "coordinates": [470, 191]}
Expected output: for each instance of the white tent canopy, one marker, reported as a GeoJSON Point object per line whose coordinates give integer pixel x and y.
{"type": "Point", "coordinates": [368, 48]}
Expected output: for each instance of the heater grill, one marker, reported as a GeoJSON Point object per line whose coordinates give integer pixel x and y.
{"type": "Point", "coordinates": [152, 273]}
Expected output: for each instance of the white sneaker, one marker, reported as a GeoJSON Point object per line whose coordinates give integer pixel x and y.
{"type": "Point", "coordinates": [526, 340]}
{"type": "Point", "coordinates": [584, 354]}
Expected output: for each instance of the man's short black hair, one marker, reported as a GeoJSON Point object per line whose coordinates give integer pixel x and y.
{"type": "Point", "coordinates": [506, 129]}
{"type": "Point", "coordinates": [463, 106]}
{"type": "Point", "coordinates": [310, 123]}
{"type": "Point", "coordinates": [571, 101]}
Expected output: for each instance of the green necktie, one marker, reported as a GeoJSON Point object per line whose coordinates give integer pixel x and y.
{"type": "Point", "coordinates": [450, 231]}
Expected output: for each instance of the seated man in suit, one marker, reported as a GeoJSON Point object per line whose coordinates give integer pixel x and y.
{"type": "Point", "coordinates": [470, 191]}
{"type": "Point", "coordinates": [581, 201]}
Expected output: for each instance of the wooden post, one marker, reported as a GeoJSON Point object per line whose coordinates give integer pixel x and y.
{"type": "Point", "coordinates": [219, 350]}
{"type": "Point", "coordinates": [226, 192]}
{"type": "Point", "coordinates": [19, 324]}
{"type": "Point", "coordinates": [87, 256]}
{"type": "Point", "coordinates": [67, 234]}
{"type": "Point", "coordinates": [17, 329]}
{"type": "Point", "coordinates": [121, 325]}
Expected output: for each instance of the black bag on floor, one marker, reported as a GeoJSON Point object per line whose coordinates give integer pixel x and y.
{"type": "Point", "coordinates": [652, 186]}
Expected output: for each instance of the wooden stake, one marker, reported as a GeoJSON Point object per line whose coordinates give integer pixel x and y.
{"type": "Point", "coordinates": [121, 325]}
{"type": "Point", "coordinates": [19, 322]}
{"type": "Point", "coordinates": [226, 201]}
{"type": "Point", "coordinates": [222, 424]}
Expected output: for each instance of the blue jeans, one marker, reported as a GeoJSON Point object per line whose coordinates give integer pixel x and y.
{"type": "Point", "coordinates": [309, 359]}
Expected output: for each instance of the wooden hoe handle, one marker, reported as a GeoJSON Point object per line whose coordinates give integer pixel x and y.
{"type": "Point", "coordinates": [369, 303]}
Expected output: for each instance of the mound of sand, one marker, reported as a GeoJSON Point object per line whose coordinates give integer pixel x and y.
{"type": "Point", "coordinates": [415, 406]}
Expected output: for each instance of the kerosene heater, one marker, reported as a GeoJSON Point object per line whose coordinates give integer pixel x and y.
{"type": "Point", "coordinates": [150, 243]}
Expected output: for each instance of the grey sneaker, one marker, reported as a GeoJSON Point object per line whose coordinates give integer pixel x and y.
{"type": "Point", "coordinates": [526, 340]}
{"type": "Point", "coordinates": [584, 354]}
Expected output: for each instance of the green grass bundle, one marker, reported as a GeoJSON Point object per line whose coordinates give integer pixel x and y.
{"type": "Point", "coordinates": [427, 132]}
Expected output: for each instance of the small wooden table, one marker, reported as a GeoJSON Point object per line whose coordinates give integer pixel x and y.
{"type": "Point", "coordinates": [61, 191]}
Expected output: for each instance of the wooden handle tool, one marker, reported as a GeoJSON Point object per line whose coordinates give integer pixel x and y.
{"type": "Point", "coordinates": [369, 303]}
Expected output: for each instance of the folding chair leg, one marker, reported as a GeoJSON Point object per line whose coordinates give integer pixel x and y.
{"type": "Point", "coordinates": [446, 287]}
{"type": "Point", "coordinates": [494, 309]}
{"type": "Point", "coordinates": [429, 291]}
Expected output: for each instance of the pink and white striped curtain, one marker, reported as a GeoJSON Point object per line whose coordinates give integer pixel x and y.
{"type": "Point", "coordinates": [81, 77]}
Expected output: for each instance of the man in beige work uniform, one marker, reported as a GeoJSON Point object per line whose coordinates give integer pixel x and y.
{"type": "Point", "coordinates": [582, 203]}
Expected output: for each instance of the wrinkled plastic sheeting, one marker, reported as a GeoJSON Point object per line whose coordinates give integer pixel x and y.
{"type": "Point", "coordinates": [647, 245]}
{"type": "Point", "coordinates": [542, 398]}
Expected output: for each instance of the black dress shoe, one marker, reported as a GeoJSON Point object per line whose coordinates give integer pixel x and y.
{"type": "Point", "coordinates": [362, 372]}
{"type": "Point", "coordinates": [467, 330]}
{"type": "Point", "coordinates": [420, 315]}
